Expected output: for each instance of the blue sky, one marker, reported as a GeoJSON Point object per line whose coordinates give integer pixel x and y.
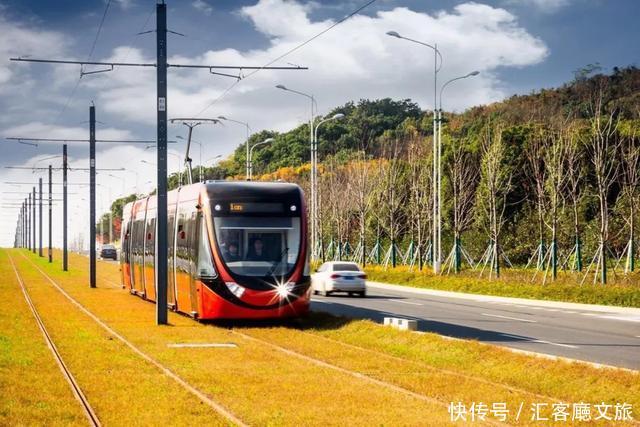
{"type": "Point", "coordinates": [517, 45]}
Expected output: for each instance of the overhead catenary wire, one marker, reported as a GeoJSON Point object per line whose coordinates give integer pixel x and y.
{"type": "Point", "coordinates": [287, 53]}
{"type": "Point", "coordinates": [93, 46]}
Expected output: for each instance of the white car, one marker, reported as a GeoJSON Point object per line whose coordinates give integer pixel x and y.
{"type": "Point", "coordinates": [339, 276]}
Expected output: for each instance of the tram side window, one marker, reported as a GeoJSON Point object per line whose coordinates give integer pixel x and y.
{"type": "Point", "coordinates": [125, 240]}
{"type": "Point", "coordinates": [205, 261]}
{"type": "Point", "coordinates": [150, 247]}
{"type": "Point", "coordinates": [186, 241]}
{"type": "Point", "coordinates": [134, 237]}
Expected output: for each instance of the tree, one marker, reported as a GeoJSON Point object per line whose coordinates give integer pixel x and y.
{"type": "Point", "coordinates": [603, 145]}
{"type": "Point", "coordinates": [631, 187]}
{"type": "Point", "coordinates": [494, 188]}
{"type": "Point", "coordinates": [360, 173]}
{"type": "Point", "coordinates": [462, 169]}
{"type": "Point", "coordinates": [420, 199]}
{"type": "Point", "coordinates": [536, 171]}
{"type": "Point", "coordinates": [556, 177]}
{"type": "Point", "coordinates": [575, 174]}
{"type": "Point", "coordinates": [390, 195]}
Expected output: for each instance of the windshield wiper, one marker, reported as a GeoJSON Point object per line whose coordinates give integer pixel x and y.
{"type": "Point", "coordinates": [283, 255]}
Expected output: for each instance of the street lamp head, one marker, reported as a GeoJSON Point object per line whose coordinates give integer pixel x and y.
{"type": "Point", "coordinates": [222, 117]}
{"type": "Point", "coordinates": [179, 137]}
{"type": "Point", "coordinates": [268, 140]}
{"type": "Point", "coordinates": [394, 34]}
{"type": "Point", "coordinates": [338, 116]}
{"type": "Point", "coordinates": [473, 73]}
{"type": "Point", "coordinates": [281, 87]}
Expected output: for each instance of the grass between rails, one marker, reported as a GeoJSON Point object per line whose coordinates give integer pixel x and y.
{"type": "Point", "coordinates": [452, 370]}
{"type": "Point", "coordinates": [259, 384]}
{"type": "Point", "coordinates": [32, 388]}
{"type": "Point", "coordinates": [518, 284]}
{"type": "Point", "coordinates": [113, 378]}
{"type": "Point", "coordinates": [265, 386]}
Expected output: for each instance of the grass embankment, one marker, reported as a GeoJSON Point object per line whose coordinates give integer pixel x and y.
{"type": "Point", "coordinates": [263, 385]}
{"type": "Point", "coordinates": [121, 388]}
{"type": "Point", "coordinates": [32, 388]}
{"type": "Point", "coordinates": [624, 291]}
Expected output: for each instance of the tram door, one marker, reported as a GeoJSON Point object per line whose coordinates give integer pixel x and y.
{"type": "Point", "coordinates": [171, 285]}
{"type": "Point", "coordinates": [186, 244]}
{"type": "Point", "coordinates": [150, 251]}
{"type": "Point", "coordinates": [137, 247]}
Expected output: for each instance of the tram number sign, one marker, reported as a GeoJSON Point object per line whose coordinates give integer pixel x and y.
{"type": "Point", "coordinates": [236, 207]}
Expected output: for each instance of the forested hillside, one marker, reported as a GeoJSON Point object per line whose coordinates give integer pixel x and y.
{"type": "Point", "coordinates": [559, 165]}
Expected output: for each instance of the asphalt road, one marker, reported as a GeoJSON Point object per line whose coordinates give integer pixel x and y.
{"type": "Point", "coordinates": [577, 333]}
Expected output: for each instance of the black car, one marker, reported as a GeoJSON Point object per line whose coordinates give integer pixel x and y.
{"type": "Point", "coordinates": [108, 251]}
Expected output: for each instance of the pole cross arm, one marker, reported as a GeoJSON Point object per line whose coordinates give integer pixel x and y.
{"type": "Point", "coordinates": [105, 141]}
{"type": "Point", "coordinates": [71, 169]}
{"type": "Point", "coordinates": [149, 64]}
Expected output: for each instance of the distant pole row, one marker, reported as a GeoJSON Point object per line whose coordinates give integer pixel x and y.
{"type": "Point", "coordinates": [27, 228]}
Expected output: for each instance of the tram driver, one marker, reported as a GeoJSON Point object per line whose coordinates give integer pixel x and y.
{"type": "Point", "coordinates": [231, 252]}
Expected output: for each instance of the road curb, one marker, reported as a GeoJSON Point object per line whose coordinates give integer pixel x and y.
{"type": "Point", "coordinates": [522, 301]}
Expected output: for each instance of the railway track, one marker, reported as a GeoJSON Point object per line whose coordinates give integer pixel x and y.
{"type": "Point", "coordinates": [356, 374]}
{"type": "Point", "coordinates": [166, 371]}
{"type": "Point", "coordinates": [75, 388]}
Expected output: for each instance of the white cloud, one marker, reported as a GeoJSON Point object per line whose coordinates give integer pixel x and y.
{"type": "Point", "coordinates": [202, 6]}
{"type": "Point", "coordinates": [355, 60]}
{"type": "Point", "coordinates": [18, 40]}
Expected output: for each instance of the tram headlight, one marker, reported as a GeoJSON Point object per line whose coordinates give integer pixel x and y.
{"type": "Point", "coordinates": [284, 289]}
{"type": "Point", "coordinates": [235, 289]}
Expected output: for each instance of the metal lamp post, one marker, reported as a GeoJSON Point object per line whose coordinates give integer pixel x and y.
{"type": "Point", "coordinates": [314, 164]}
{"type": "Point", "coordinates": [437, 151]}
{"type": "Point", "coordinates": [246, 142]}
{"type": "Point", "coordinates": [315, 219]}
{"type": "Point", "coordinates": [266, 141]}
{"type": "Point", "coordinates": [456, 242]}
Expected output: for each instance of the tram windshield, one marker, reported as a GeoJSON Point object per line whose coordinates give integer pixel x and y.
{"type": "Point", "coordinates": [258, 246]}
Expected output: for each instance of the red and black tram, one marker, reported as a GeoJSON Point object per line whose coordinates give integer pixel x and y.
{"type": "Point", "coordinates": [237, 250]}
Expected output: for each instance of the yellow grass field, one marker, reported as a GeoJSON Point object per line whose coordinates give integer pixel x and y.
{"type": "Point", "coordinates": [320, 370]}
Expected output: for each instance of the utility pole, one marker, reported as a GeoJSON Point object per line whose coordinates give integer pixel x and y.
{"type": "Point", "coordinates": [50, 215]}
{"type": "Point", "coordinates": [40, 219]}
{"type": "Point", "coordinates": [24, 224]}
{"type": "Point", "coordinates": [161, 106]}
{"type": "Point", "coordinates": [162, 253]}
{"type": "Point", "coordinates": [65, 255]}
{"type": "Point", "coordinates": [28, 218]}
{"type": "Point", "coordinates": [92, 196]}
{"type": "Point", "coordinates": [33, 216]}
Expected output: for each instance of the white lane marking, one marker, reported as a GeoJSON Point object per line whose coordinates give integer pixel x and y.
{"type": "Point", "coordinates": [589, 314]}
{"type": "Point", "coordinates": [624, 319]}
{"type": "Point", "coordinates": [538, 341]}
{"type": "Point", "coordinates": [203, 345]}
{"type": "Point", "coordinates": [404, 302]}
{"type": "Point", "coordinates": [322, 301]}
{"type": "Point", "coordinates": [570, 312]}
{"type": "Point", "coordinates": [555, 343]}
{"type": "Point", "coordinates": [510, 318]}
{"type": "Point", "coordinates": [637, 336]}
